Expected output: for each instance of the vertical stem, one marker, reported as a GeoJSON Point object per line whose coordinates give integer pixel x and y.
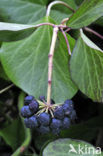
{"type": "Point", "coordinates": [50, 63]}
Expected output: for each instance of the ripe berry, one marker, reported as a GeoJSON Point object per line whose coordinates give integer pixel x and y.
{"type": "Point", "coordinates": [44, 129]}
{"type": "Point", "coordinates": [56, 123]}
{"type": "Point", "coordinates": [68, 106]}
{"type": "Point", "coordinates": [66, 123]}
{"type": "Point", "coordinates": [31, 122]}
{"type": "Point", "coordinates": [26, 112]}
{"type": "Point", "coordinates": [28, 99]}
{"type": "Point", "coordinates": [44, 119]}
{"type": "Point", "coordinates": [56, 131]}
{"type": "Point", "coordinates": [59, 113]}
{"type": "Point", "coordinates": [73, 115]}
{"type": "Point", "coordinates": [42, 98]}
{"type": "Point", "coordinates": [34, 106]}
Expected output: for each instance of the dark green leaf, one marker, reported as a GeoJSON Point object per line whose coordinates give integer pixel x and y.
{"type": "Point", "coordinates": [13, 31]}
{"type": "Point", "coordinates": [88, 12]}
{"type": "Point", "coordinates": [86, 67]}
{"type": "Point", "coordinates": [21, 11]}
{"type": "Point", "coordinates": [26, 64]}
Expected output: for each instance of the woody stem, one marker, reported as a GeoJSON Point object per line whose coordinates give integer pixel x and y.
{"type": "Point", "coordinates": [50, 63]}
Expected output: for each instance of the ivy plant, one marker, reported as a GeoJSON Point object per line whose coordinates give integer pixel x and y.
{"type": "Point", "coordinates": [40, 55]}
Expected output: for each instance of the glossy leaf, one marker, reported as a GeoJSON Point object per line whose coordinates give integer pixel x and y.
{"type": "Point", "coordinates": [14, 31]}
{"type": "Point", "coordinates": [26, 64]}
{"type": "Point", "coordinates": [88, 12]}
{"type": "Point", "coordinates": [86, 67]}
{"type": "Point", "coordinates": [21, 11]}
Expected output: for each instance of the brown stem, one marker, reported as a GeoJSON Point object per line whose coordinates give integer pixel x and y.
{"type": "Point", "coordinates": [94, 32]}
{"type": "Point", "coordinates": [50, 63]}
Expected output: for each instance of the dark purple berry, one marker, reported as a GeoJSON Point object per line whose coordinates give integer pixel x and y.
{"type": "Point", "coordinates": [44, 129]}
{"type": "Point", "coordinates": [31, 122]}
{"type": "Point", "coordinates": [44, 119]}
{"type": "Point", "coordinates": [26, 112]}
{"type": "Point", "coordinates": [34, 106]}
{"type": "Point", "coordinates": [73, 115]}
{"type": "Point", "coordinates": [42, 98]}
{"type": "Point", "coordinates": [66, 123]}
{"type": "Point", "coordinates": [68, 106]}
{"type": "Point", "coordinates": [59, 113]}
{"type": "Point", "coordinates": [56, 131]}
{"type": "Point", "coordinates": [56, 123]}
{"type": "Point", "coordinates": [28, 99]}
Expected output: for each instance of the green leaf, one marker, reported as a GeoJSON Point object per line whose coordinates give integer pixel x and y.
{"type": "Point", "coordinates": [43, 2]}
{"type": "Point", "coordinates": [26, 64]}
{"type": "Point", "coordinates": [88, 12]}
{"type": "Point", "coordinates": [13, 134]}
{"type": "Point", "coordinates": [3, 74]}
{"type": "Point", "coordinates": [99, 21]}
{"type": "Point", "coordinates": [13, 31]}
{"type": "Point", "coordinates": [21, 11]}
{"type": "Point", "coordinates": [68, 147]}
{"type": "Point", "coordinates": [86, 66]}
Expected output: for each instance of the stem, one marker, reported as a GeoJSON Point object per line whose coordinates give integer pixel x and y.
{"type": "Point", "coordinates": [50, 63]}
{"type": "Point", "coordinates": [57, 2]}
{"type": "Point", "coordinates": [68, 29]}
{"type": "Point", "coordinates": [94, 32]}
{"type": "Point", "coordinates": [68, 47]}
{"type": "Point", "coordinates": [5, 89]}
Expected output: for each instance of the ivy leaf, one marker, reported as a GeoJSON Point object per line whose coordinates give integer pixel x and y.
{"type": "Point", "coordinates": [66, 147]}
{"type": "Point", "coordinates": [26, 64]}
{"type": "Point", "coordinates": [14, 31]}
{"type": "Point", "coordinates": [88, 12]}
{"type": "Point", "coordinates": [21, 11]}
{"type": "Point", "coordinates": [86, 67]}
{"type": "Point", "coordinates": [43, 2]}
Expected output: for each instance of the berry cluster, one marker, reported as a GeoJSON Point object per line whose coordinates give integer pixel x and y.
{"type": "Point", "coordinates": [45, 118]}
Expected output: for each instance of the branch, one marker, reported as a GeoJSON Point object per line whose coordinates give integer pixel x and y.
{"type": "Point", "coordinates": [50, 63]}
{"type": "Point", "coordinates": [68, 47]}
{"type": "Point", "coordinates": [7, 88]}
{"type": "Point", "coordinates": [94, 32]}
{"type": "Point", "coordinates": [57, 2]}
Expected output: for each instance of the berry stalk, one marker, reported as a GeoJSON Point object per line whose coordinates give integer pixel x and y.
{"type": "Point", "coordinates": [50, 63]}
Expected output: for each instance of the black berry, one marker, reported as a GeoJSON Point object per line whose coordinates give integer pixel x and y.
{"type": "Point", "coordinates": [34, 106]}
{"type": "Point", "coordinates": [26, 112]}
{"type": "Point", "coordinates": [73, 115]}
{"type": "Point", "coordinates": [31, 122]}
{"type": "Point", "coordinates": [56, 123]}
{"type": "Point", "coordinates": [28, 99]}
{"type": "Point", "coordinates": [59, 113]}
{"type": "Point", "coordinates": [68, 106]}
{"type": "Point", "coordinates": [44, 119]}
{"type": "Point", "coordinates": [66, 123]}
{"type": "Point", "coordinates": [56, 131]}
{"type": "Point", "coordinates": [42, 98]}
{"type": "Point", "coordinates": [44, 129]}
